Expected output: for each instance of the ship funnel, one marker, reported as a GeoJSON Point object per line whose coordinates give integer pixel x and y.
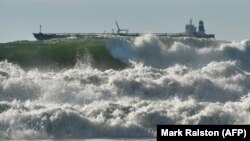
{"type": "Point", "coordinates": [201, 30]}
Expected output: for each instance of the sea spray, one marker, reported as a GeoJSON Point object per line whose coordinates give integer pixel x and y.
{"type": "Point", "coordinates": [152, 51]}
{"type": "Point", "coordinates": [191, 85]}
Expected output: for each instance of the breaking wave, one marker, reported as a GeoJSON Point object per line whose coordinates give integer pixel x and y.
{"type": "Point", "coordinates": [152, 51]}
{"type": "Point", "coordinates": [165, 81]}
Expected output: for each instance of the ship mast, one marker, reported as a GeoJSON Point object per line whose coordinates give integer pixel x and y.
{"type": "Point", "coordinates": [191, 20]}
{"type": "Point", "coordinates": [40, 29]}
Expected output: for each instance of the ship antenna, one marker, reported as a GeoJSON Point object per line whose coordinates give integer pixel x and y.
{"type": "Point", "coordinates": [40, 28]}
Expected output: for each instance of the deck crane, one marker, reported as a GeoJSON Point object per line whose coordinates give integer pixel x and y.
{"type": "Point", "coordinates": [119, 30]}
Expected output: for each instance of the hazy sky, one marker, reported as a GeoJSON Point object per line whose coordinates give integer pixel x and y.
{"type": "Point", "coordinates": [227, 19]}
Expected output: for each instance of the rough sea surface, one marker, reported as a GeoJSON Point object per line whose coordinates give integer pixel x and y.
{"type": "Point", "coordinates": [182, 81]}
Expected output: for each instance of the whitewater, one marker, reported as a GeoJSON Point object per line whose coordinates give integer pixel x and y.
{"type": "Point", "coordinates": [185, 81]}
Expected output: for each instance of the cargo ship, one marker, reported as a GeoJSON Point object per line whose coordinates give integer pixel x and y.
{"type": "Point", "coordinates": [190, 31]}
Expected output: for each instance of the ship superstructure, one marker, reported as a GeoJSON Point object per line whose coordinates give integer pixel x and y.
{"type": "Point", "coordinates": [190, 31]}
{"type": "Point", "coordinates": [190, 28]}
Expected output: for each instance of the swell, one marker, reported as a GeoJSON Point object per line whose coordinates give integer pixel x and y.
{"type": "Point", "coordinates": [59, 54]}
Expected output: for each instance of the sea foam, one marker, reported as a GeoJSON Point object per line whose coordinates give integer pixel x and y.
{"type": "Point", "coordinates": [162, 84]}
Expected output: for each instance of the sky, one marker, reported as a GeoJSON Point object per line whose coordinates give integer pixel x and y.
{"type": "Point", "coordinates": [227, 19]}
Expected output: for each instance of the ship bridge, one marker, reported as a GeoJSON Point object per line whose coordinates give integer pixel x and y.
{"type": "Point", "coordinates": [190, 28]}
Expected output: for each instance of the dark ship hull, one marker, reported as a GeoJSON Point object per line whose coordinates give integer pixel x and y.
{"type": "Point", "coordinates": [49, 36]}
{"type": "Point", "coordinates": [206, 36]}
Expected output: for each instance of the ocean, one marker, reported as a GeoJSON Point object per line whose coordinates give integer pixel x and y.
{"type": "Point", "coordinates": [120, 88]}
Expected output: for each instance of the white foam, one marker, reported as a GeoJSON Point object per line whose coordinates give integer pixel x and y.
{"type": "Point", "coordinates": [84, 102]}
{"type": "Point", "coordinates": [153, 52]}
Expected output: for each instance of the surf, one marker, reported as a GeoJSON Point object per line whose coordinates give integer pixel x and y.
{"type": "Point", "coordinates": [121, 87]}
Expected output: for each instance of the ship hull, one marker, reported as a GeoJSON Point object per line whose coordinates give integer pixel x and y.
{"type": "Point", "coordinates": [42, 36]}
{"type": "Point", "coordinates": [206, 36]}
{"type": "Point", "coordinates": [50, 36]}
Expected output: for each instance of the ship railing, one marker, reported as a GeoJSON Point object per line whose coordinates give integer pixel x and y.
{"type": "Point", "coordinates": [78, 34]}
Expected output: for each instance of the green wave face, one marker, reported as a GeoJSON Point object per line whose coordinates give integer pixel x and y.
{"type": "Point", "coordinates": [59, 54]}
